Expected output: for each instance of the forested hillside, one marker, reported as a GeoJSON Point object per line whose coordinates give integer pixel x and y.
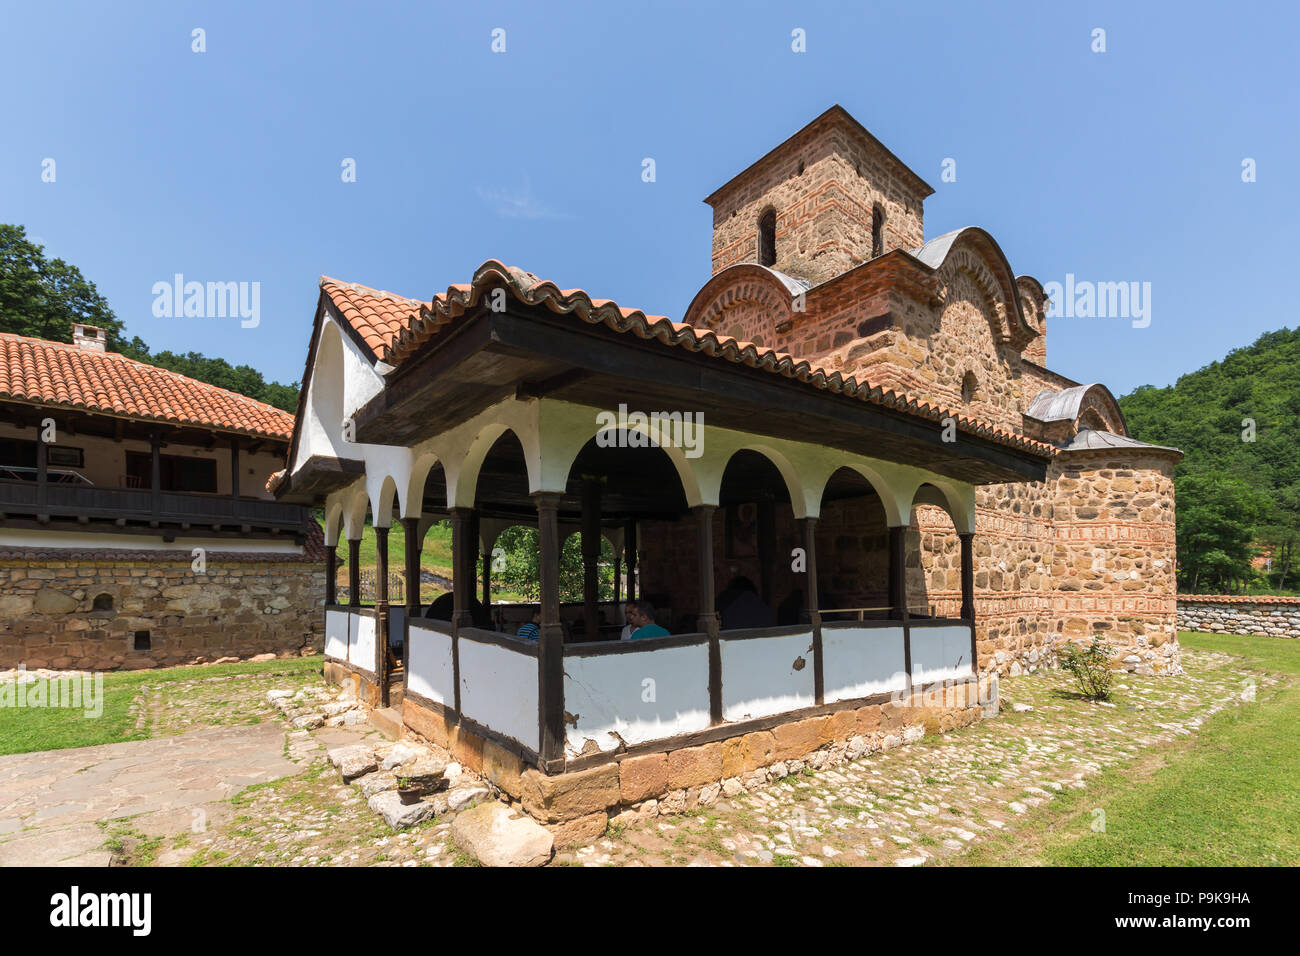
{"type": "Point", "coordinates": [1238, 488]}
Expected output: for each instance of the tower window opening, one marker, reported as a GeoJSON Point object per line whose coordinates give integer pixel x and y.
{"type": "Point", "coordinates": [767, 238]}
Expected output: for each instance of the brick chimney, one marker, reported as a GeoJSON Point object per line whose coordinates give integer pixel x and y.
{"type": "Point", "coordinates": [89, 337]}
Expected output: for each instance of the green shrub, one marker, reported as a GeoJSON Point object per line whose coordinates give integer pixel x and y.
{"type": "Point", "coordinates": [1090, 667]}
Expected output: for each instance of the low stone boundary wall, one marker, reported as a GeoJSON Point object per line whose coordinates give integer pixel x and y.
{"type": "Point", "coordinates": [1244, 614]}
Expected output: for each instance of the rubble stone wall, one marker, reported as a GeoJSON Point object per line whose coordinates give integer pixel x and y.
{"type": "Point", "coordinates": [49, 618]}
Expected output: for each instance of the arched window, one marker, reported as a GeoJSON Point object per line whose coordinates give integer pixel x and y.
{"type": "Point", "coordinates": [102, 602]}
{"type": "Point", "coordinates": [969, 388]}
{"type": "Point", "coordinates": [767, 238]}
{"type": "Point", "coordinates": [877, 230]}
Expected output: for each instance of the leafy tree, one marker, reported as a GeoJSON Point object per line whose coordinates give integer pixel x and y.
{"type": "Point", "coordinates": [1218, 517]}
{"type": "Point", "coordinates": [1238, 422]}
{"type": "Point", "coordinates": [42, 298]}
{"type": "Point", "coordinates": [522, 571]}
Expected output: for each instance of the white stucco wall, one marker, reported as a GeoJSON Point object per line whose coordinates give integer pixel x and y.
{"type": "Point", "coordinates": [940, 653]}
{"type": "Point", "coordinates": [762, 676]}
{"type": "Point", "coordinates": [336, 634]}
{"type": "Point", "coordinates": [429, 665]}
{"type": "Point", "coordinates": [638, 696]}
{"type": "Point", "coordinates": [361, 642]}
{"type": "Point", "coordinates": [863, 661]}
{"type": "Point", "coordinates": [498, 689]}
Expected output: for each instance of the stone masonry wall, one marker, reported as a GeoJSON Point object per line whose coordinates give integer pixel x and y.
{"type": "Point", "coordinates": [824, 191]}
{"type": "Point", "coordinates": [1224, 614]}
{"type": "Point", "coordinates": [1113, 557]}
{"type": "Point", "coordinates": [236, 609]}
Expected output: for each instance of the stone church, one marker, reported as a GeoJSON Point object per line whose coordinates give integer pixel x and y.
{"type": "Point", "coordinates": [819, 252]}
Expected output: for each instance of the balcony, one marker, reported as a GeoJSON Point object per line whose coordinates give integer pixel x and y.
{"type": "Point", "coordinates": [189, 512]}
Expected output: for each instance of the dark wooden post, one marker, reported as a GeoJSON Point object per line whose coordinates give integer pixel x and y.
{"type": "Point", "coordinates": [898, 573]}
{"type": "Point", "coordinates": [766, 548]}
{"type": "Point", "coordinates": [234, 472]}
{"type": "Point", "coordinates": [630, 557]}
{"type": "Point", "coordinates": [412, 545]}
{"type": "Point", "coordinates": [411, 532]}
{"type": "Point", "coordinates": [550, 651]}
{"type": "Point", "coordinates": [463, 550]}
{"type": "Point", "coordinates": [155, 476]}
{"type": "Point", "coordinates": [812, 608]}
{"type": "Point", "coordinates": [381, 612]}
{"type": "Point", "coordinates": [42, 478]}
{"type": "Point", "coordinates": [898, 593]}
{"type": "Point", "coordinates": [968, 592]}
{"type": "Point", "coordinates": [618, 580]}
{"type": "Point", "coordinates": [354, 572]}
{"type": "Point", "coordinates": [331, 573]}
{"type": "Point", "coordinates": [591, 558]}
{"type": "Point", "coordinates": [487, 581]}
{"type": "Point", "coordinates": [708, 615]}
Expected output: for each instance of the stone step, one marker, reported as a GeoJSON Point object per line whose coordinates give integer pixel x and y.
{"type": "Point", "coordinates": [387, 721]}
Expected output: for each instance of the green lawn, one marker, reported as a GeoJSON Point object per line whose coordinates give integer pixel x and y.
{"type": "Point", "coordinates": [1227, 796]}
{"type": "Point", "coordinates": [27, 729]}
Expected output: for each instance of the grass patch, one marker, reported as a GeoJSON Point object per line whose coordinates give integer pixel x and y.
{"type": "Point", "coordinates": [29, 729]}
{"type": "Point", "coordinates": [1227, 796]}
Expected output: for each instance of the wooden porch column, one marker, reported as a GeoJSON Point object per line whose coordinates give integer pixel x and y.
{"type": "Point", "coordinates": [812, 609]}
{"type": "Point", "coordinates": [381, 612]}
{"type": "Point", "coordinates": [155, 476]}
{"type": "Point", "coordinates": [618, 580]}
{"type": "Point", "coordinates": [487, 581]}
{"type": "Point", "coordinates": [766, 548]}
{"type": "Point", "coordinates": [354, 572]}
{"type": "Point", "coordinates": [708, 617]}
{"type": "Point", "coordinates": [463, 550]}
{"type": "Point", "coordinates": [590, 558]}
{"type": "Point", "coordinates": [412, 544]}
{"type": "Point", "coordinates": [42, 479]}
{"type": "Point", "coordinates": [968, 592]}
{"type": "Point", "coordinates": [630, 557]}
{"type": "Point", "coordinates": [550, 650]}
{"type": "Point", "coordinates": [898, 573]}
{"type": "Point", "coordinates": [331, 573]}
{"type": "Point", "coordinates": [234, 472]}
{"type": "Point", "coordinates": [898, 593]}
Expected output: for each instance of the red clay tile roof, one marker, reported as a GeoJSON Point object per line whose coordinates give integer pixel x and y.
{"type": "Point", "coordinates": [376, 316]}
{"type": "Point", "coordinates": [529, 289]}
{"type": "Point", "coordinates": [52, 373]}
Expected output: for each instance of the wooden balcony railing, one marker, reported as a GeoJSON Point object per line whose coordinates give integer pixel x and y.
{"type": "Point", "coordinates": [172, 508]}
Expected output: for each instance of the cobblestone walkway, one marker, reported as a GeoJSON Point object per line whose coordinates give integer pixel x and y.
{"type": "Point", "coordinates": [935, 798]}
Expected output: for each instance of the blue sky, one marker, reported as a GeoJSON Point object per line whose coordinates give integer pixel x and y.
{"type": "Point", "coordinates": [226, 165]}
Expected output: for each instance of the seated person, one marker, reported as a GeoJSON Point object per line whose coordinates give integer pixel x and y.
{"type": "Point", "coordinates": [629, 627]}
{"type": "Point", "coordinates": [441, 608]}
{"type": "Point", "coordinates": [644, 619]}
{"type": "Point", "coordinates": [532, 630]}
{"type": "Point", "coordinates": [744, 608]}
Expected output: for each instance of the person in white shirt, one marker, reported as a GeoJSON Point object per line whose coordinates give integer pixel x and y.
{"type": "Point", "coordinates": [629, 611]}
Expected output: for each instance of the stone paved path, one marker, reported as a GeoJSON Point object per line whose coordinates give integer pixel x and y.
{"type": "Point", "coordinates": [52, 801]}
{"type": "Point", "coordinates": [932, 800]}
